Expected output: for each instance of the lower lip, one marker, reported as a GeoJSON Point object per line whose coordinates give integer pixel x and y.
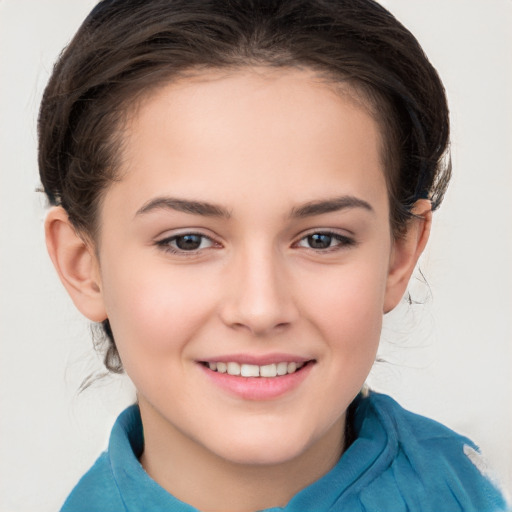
{"type": "Point", "coordinates": [258, 388]}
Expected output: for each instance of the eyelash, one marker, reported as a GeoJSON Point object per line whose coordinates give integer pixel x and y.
{"type": "Point", "coordinates": [342, 242]}
{"type": "Point", "coordinates": [165, 244]}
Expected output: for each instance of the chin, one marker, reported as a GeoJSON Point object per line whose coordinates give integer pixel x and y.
{"type": "Point", "coordinates": [263, 446]}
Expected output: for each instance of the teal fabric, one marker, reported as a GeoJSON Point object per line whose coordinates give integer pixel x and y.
{"type": "Point", "coordinates": [398, 462]}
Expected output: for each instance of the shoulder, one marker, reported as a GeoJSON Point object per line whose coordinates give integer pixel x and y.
{"type": "Point", "coordinates": [431, 460]}
{"type": "Point", "coordinates": [408, 426]}
{"type": "Point", "coordinates": [96, 490]}
{"type": "Point", "coordinates": [101, 487]}
{"type": "Point", "coordinates": [117, 481]}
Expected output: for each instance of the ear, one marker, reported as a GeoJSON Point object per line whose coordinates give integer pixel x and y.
{"type": "Point", "coordinates": [76, 263]}
{"type": "Point", "coordinates": [406, 252]}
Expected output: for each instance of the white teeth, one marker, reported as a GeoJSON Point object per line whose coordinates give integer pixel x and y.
{"type": "Point", "coordinates": [233, 369]}
{"type": "Point", "coordinates": [282, 368]}
{"type": "Point", "coordinates": [250, 370]}
{"type": "Point", "coordinates": [253, 370]}
{"type": "Point", "coordinates": [269, 370]}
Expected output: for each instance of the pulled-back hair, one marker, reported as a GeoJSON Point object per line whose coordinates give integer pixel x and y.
{"type": "Point", "coordinates": [127, 48]}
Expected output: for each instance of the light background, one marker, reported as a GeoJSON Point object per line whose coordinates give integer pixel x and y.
{"type": "Point", "coordinates": [450, 359]}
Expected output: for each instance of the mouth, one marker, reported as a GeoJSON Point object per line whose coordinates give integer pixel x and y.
{"type": "Point", "coordinates": [260, 379]}
{"type": "Point", "coordinates": [273, 370]}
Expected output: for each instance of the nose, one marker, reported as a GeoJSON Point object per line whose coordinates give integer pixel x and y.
{"type": "Point", "coordinates": [259, 298]}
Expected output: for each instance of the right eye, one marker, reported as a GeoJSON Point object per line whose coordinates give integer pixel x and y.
{"type": "Point", "coordinates": [186, 243]}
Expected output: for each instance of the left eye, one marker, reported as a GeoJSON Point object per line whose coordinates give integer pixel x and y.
{"type": "Point", "coordinates": [324, 241]}
{"type": "Point", "coordinates": [186, 243]}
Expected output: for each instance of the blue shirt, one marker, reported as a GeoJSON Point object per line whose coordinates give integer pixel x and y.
{"type": "Point", "coordinates": [399, 461]}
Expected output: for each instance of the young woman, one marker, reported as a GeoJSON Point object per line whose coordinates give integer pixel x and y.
{"type": "Point", "coordinates": [241, 190]}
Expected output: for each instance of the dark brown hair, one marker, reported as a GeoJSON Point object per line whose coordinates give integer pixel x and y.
{"type": "Point", "coordinates": [126, 48]}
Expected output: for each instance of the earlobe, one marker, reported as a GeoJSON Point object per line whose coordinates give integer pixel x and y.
{"type": "Point", "coordinates": [76, 263]}
{"type": "Point", "coordinates": [406, 252]}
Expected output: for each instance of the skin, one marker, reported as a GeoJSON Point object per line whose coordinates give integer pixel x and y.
{"type": "Point", "coordinates": [262, 146]}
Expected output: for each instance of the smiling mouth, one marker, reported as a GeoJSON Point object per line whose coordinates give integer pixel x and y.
{"type": "Point", "coordinates": [253, 370]}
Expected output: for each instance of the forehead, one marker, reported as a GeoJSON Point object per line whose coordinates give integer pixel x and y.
{"type": "Point", "coordinates": [239, 131]}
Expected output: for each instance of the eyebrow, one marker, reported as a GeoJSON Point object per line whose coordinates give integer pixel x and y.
{"type": "Point", "coordinates": [212, 210]}
{"type": "Point", "coordinates": [185, 206]}
{"type": "Point", "coordinates": [330, 205]}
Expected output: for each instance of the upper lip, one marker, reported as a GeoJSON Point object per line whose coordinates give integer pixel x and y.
{"type": "Point", "coordinates": [259, 360]}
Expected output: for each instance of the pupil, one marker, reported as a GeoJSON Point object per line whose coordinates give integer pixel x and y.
{"type": "Point", "coordinates": [319, 241]}
{"type": "Point", "coordinates": [188, 242]}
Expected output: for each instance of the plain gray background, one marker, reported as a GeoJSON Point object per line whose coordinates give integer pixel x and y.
{"type": "Point", "coordinates": [449, 359]}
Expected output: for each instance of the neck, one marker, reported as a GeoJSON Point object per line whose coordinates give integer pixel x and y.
{"type": "Point", "coordinates": [199, 477]}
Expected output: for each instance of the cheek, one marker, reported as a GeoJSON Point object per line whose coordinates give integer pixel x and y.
{"type": "Point", "coordinates": [154, 310]}
{"type": "Point", "coordinates": [349, 310]}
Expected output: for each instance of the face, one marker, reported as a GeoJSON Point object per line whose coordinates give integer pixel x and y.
{"type": "Point", "coordinates": [249, 232]}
